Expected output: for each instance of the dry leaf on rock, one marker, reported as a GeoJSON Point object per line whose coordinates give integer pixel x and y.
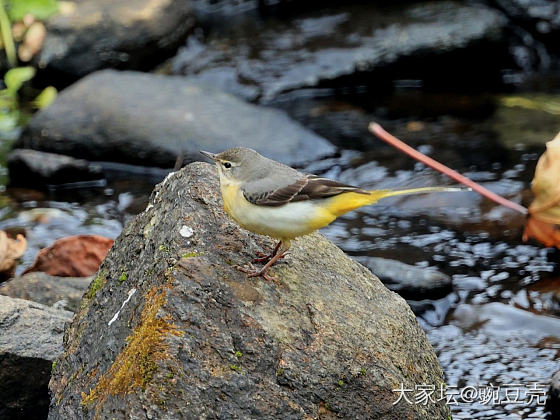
{"type": "Point", "coordinates": [32, 42]}
{"type": "Point", "coordinates": [544, 213]}
{"type": "Point", "coordinates": [10, 251]}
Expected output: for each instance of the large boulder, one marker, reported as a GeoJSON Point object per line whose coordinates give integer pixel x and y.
{"type": "Point", "coordinates": [170, 329]}
{"type": "Point", "coordinates": [149, 120]}
{"type": "Point", "coordinates": [132, 34]}
{"type": "Point", "coordinates": [30, 340]}
{"type": "Point", "coordinates": [349, 45]}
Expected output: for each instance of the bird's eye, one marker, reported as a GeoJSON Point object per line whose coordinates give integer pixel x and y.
{"type": "Point", "coordinates": [227, 165]}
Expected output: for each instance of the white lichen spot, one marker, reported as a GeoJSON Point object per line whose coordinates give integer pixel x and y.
{"type": "Point", "coordinates": [186, 232]}
{"type": "Point", "coordinates": [160, 186]}
{"type": "Point", "coordinates": [169, 175]}
{"type": "Point", "coordinates": [130, 293]}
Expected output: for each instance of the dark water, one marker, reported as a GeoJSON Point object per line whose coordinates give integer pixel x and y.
{"type": "Point", "coordinates": [498, 327]}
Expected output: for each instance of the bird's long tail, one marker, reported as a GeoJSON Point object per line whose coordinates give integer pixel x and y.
{"type": "Point", "coordinates": [343, 203]}
{"type": "Point", "coordinates": [377, 195]}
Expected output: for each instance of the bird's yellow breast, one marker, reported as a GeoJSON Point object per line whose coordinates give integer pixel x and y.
{"type": "Point", "coordinates": [229, 196]}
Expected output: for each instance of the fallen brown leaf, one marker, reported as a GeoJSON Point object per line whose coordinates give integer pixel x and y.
{"type": "Point", "coordinates": [72, 256]}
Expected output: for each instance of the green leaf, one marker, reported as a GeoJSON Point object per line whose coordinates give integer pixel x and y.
{"type": "Point", "coordinates": [14, 78]}
{"type": "Point", "coordinates": [7, 39]}
{"type": "Point", "coordinates": [45, 98]}
{"type": "Point", "coordinates": [40, 9]}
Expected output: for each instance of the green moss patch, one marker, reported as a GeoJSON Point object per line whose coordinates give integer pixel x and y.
{"type": "Point", "coordinates": [137, 363]}
{"type": "Point", "coordinates": [97, 284]}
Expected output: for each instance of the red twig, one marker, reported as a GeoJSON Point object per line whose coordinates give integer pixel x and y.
{"type": "Point", "coordinates": [403, 147]}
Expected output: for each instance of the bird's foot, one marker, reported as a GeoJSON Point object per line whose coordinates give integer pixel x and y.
{"type": "Point", "coordinates": [264, 258]}
{"type": "Point", "coordinates": [251, 271]}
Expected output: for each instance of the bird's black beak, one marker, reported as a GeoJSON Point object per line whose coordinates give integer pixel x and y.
{"type": "Point", "coordinates": [209, 155]}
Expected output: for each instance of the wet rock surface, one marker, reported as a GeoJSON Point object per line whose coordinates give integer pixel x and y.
{"type": "Point", "coordinates": [260, 58]}
{"type": "Point", "coordinates": [184, 334]}
{"type": "Point", "coordinates": [47, 290]}
{"type": "Point", "coordinates": [40, 170]}
{"type": "Point", "coordinates": [132, 34]}
{"type": "Point", "coordinates": [409, 281]}
{"type": "Point", "coordinates": [149, 120]}
{"type": "Point", "coordinates": [30, 339]}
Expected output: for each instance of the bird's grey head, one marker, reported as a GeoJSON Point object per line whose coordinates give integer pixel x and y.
{"type": "Point", "coordinates": [239, 164]}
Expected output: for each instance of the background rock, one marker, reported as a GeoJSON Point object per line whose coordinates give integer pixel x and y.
{"type": "Point", "coordinates": [135, 34]}
{"type": "Point", "coordinates": [540, 17]}
{"type": "Point", "coordinates": [150, 119]}
{"type": "Point", "coordinates": [47, 290]}
{"type": "Point", "coordinates": [30, 339]}
{"type": "Point", "coordinates": [187, 335]}
{"type": "Point", "coordinates": [36, 169]}
{"type": "Point", "coordinates": [73, 256]}
{"type": "Point", "coordinates": [343, 45]}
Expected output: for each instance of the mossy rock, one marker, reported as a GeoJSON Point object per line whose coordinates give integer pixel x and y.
{"type": "Point", "coordinates": [189, 336]}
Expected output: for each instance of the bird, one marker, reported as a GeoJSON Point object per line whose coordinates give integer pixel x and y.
{"type": "Point", "coordinates": [273, 199]}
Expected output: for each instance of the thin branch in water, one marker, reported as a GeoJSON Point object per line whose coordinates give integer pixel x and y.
{"type": "Point", "coordinates": [377, 130]}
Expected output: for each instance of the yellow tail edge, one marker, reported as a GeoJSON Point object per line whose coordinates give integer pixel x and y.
{"type": "Point", "coordinates": [380, 194]}
{"type": "Point", "coordinates": [343, 203]}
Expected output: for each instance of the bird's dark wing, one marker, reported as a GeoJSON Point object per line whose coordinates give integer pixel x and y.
{"type": "Point", "coordinates": [306, 187]}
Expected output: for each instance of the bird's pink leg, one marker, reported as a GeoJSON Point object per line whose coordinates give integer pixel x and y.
{"type": "Point", "coordinates": [251, 271]}
{"type": "Point", "coordinates": [262, 257]}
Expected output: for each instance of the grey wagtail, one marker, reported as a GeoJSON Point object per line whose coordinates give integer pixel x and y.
{"type": "Point", "coordinates": [273, 199]}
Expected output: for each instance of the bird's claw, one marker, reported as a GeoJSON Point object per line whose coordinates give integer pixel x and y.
{"type": "Point", "coordinates": [261, 257]}
{"type": "Point", "coordinates": [264, 258]}
{"type": "Point", "coordinates": [251, 271]}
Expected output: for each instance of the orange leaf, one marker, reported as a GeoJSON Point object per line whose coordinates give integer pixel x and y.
{"type": "Point", "coordinates": [544, 212]}
{"type": "Point", "coordinates": [546, 233]}
{"type": "Point", "coordinates": [546, 184]}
